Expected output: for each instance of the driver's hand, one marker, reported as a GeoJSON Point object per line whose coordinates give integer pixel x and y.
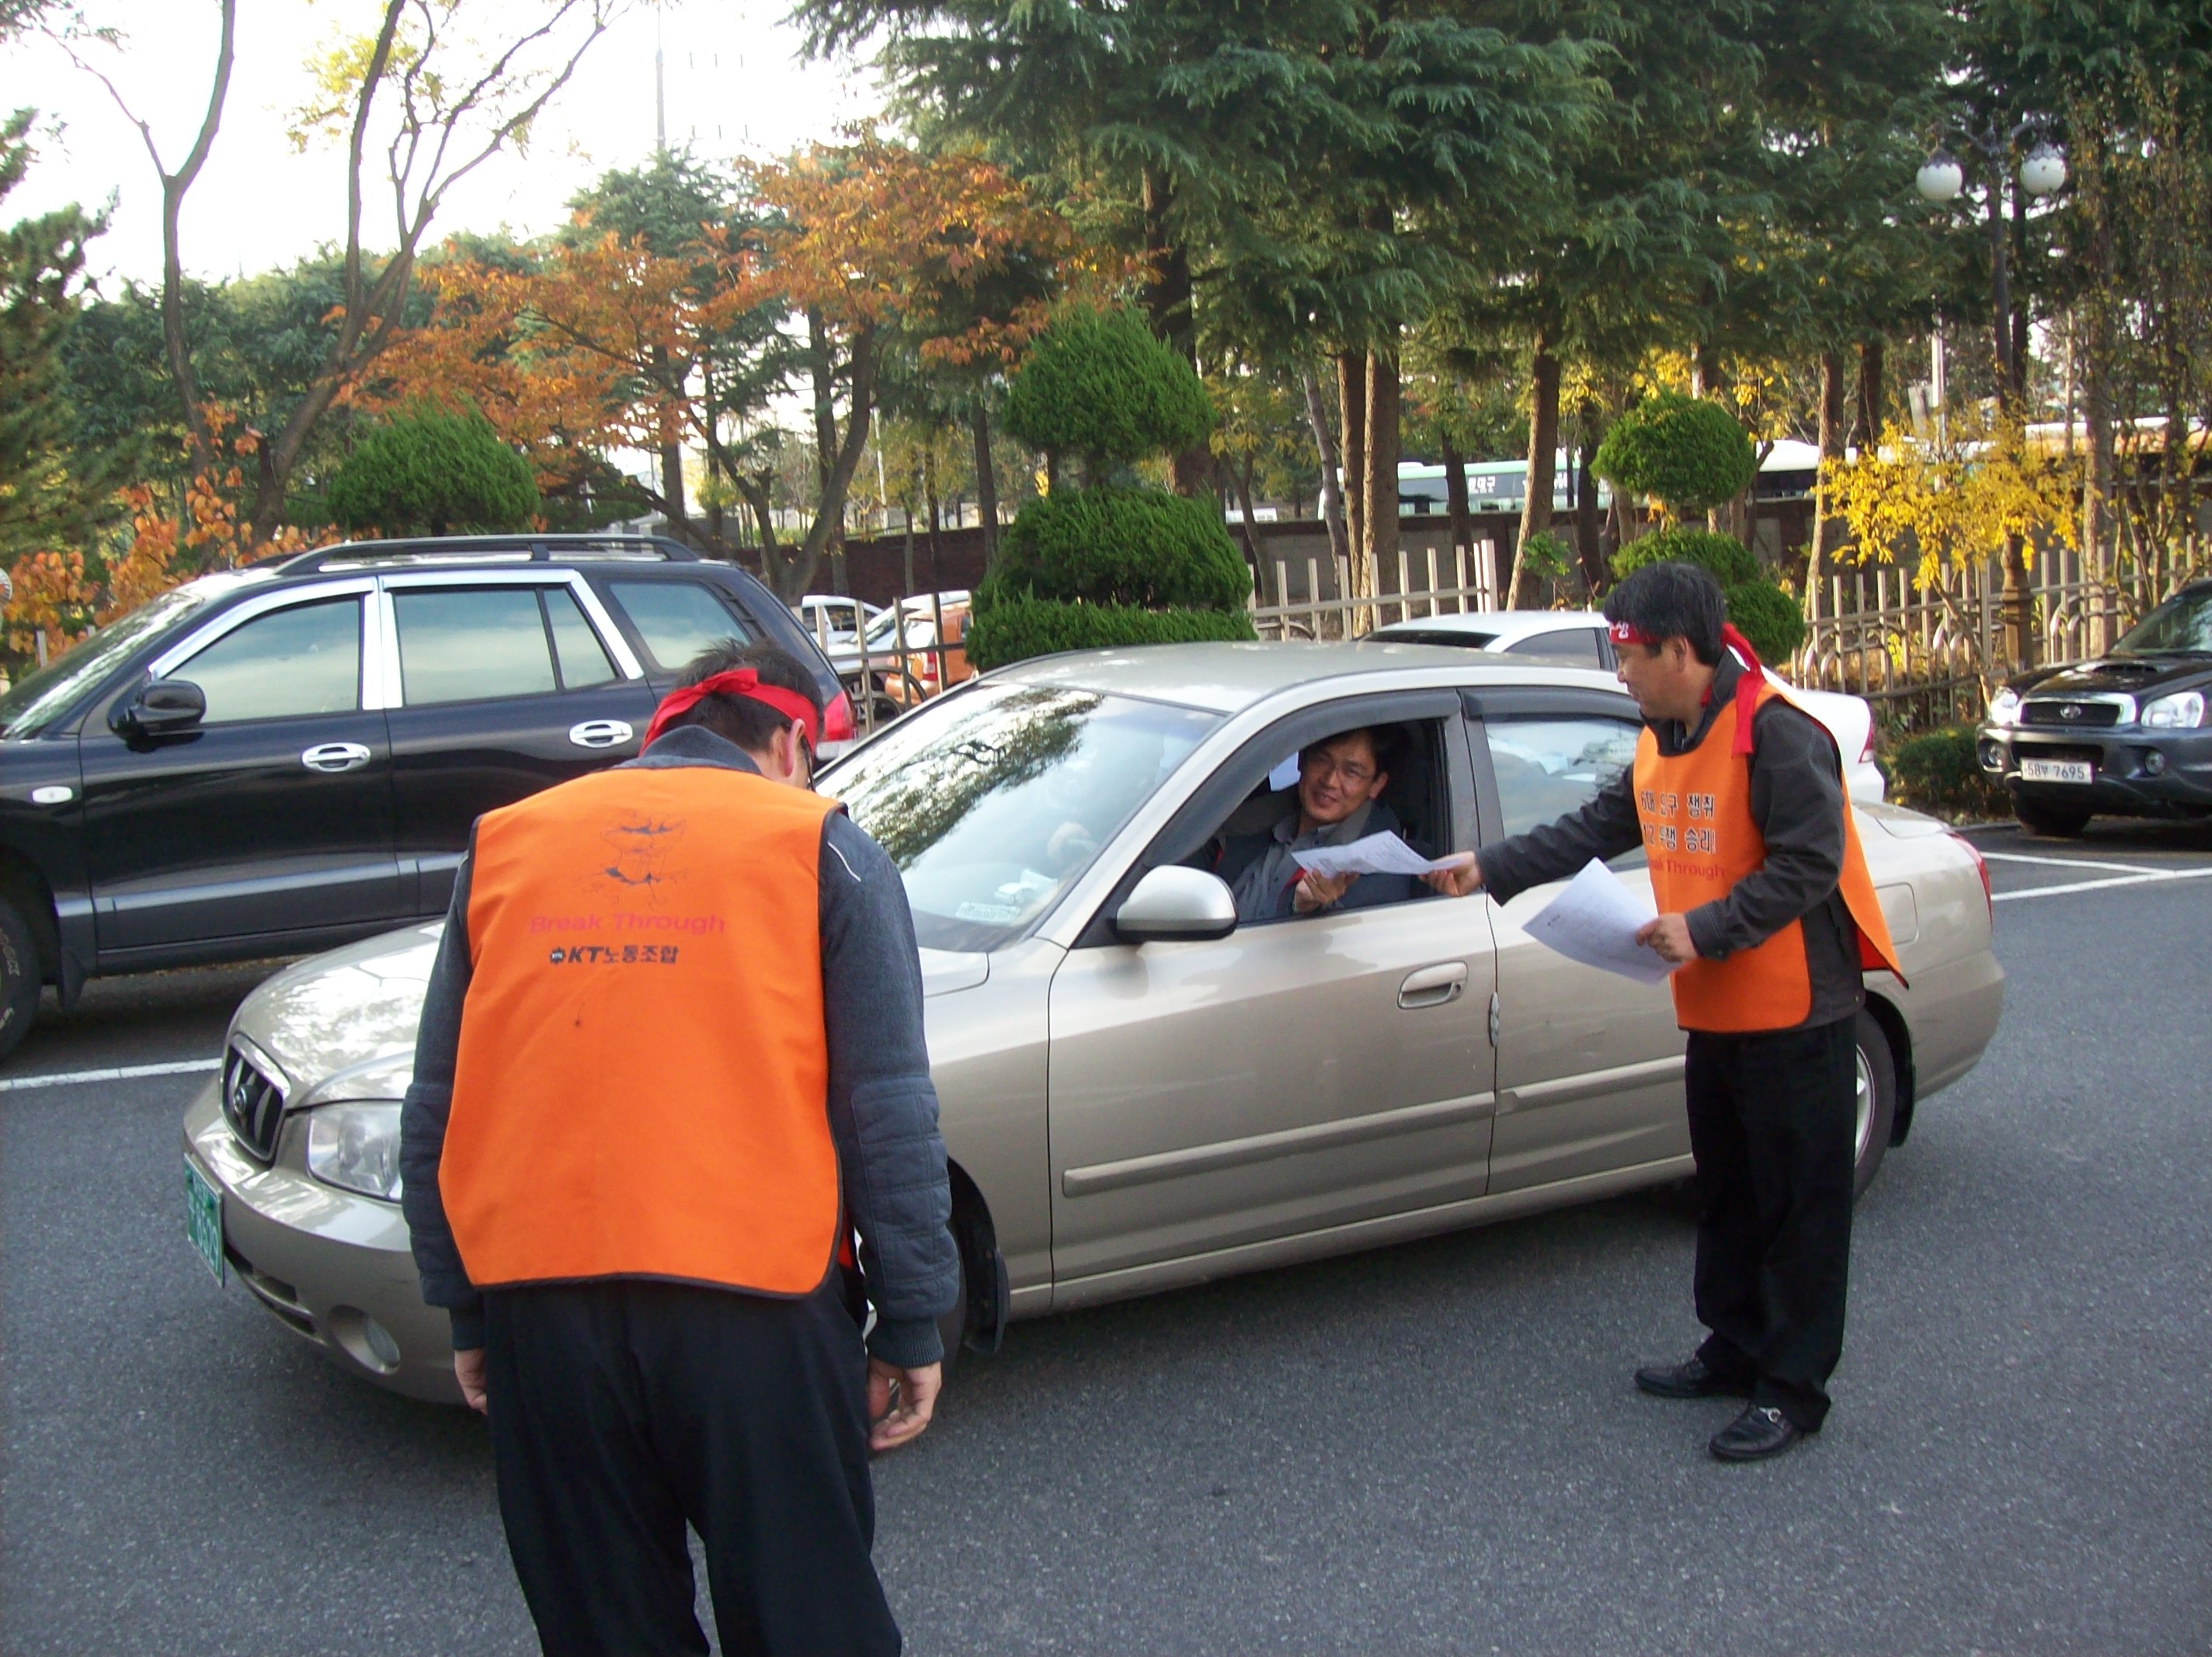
{"type": "Point", "coordinates": [1319, 891]}
{"type": "Point", "coordinates": [1070, 844]}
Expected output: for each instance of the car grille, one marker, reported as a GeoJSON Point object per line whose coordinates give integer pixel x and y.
{"type": "Point", "coordinates": [2082, 715]}
{"type": "Point", "coordinates": [252, 1104]}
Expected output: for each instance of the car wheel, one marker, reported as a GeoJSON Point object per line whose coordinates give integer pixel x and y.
{"type": "Point", "coordinates": [952, 1327]}
{"type": "Point", "coordinates": [2059, 821]}
{"type": "Point", "coordinates": [19, 978]}
{"type": "Point", "coordinates": [1874, 1094]}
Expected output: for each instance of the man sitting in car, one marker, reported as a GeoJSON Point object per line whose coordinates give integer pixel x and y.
{"type": "Point", "coordinates": [1340, 783]}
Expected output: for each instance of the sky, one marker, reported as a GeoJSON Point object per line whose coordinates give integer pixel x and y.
{"type": "Point", "coordinates": [734, 86]}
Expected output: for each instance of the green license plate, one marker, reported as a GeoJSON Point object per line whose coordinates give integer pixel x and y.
{"type": "Point", "coordinates": [204, 1219]}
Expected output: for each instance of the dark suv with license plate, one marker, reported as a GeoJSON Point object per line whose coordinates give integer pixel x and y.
{"type": "Point", "coordinates": [2128, 733]}
{"type": "Point", "coordinates": [278, 760]}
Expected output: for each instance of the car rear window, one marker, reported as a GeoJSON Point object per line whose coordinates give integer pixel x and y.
{"type": "Point", "coordinates": [676, 620]}
{"type": "Point", "coordinates": [469, 643]}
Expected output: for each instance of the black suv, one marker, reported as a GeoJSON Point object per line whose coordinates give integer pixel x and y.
{"type": "Point", "coordinates": [2128, 733]}
{"type": "Point", "coordinates": [278, 760]}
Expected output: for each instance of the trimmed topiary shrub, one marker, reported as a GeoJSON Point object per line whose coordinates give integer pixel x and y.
{"type": "Point", "coordinates": [1123, 546]}
{"type": "Point", "coordinates": [1728, 558]}
{"type": "Point", "coordinates": [1936, 771]}
{"type": "Point", "coordinates": [1688, 452]}
{"type": "Point", "coordinates": [433, 473]}
{"type": "Point", "coordinates": [1769, 617]}
{"type": "Point", "coordinates": [1097, 385]}
{"type": "Point", "coordinates": [1013, 629]}
{"type": "Point", "coordinates": [1110, 563]}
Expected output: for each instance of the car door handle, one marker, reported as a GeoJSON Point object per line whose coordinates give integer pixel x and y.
{"type": "Point", "coordinates": [1434, 987]}
{"type": "Point", "coordinates": [335, 756]}
{"type": "Point", "coordinates": [600, 733]}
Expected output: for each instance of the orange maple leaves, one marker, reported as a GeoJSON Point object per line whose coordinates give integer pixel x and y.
{"type": "Point", "coordinates": [598, 345]}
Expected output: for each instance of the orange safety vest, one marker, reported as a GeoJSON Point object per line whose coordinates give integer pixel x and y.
{"type": "Point", "coordinates": [642, 1084]}
{"type": "Point", "coordinates": [1695, 809]}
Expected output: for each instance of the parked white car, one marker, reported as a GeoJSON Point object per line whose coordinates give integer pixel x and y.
{"type": "Point", "coordinates": [1579, 636]}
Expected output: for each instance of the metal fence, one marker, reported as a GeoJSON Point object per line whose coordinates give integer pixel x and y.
{"type": "Point", "coordinates": [888, 679]}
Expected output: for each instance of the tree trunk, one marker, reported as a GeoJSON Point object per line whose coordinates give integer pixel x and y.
{"type": "Point", "coordinates": [1351, 399]}
{"type": "Point", "coordinates": [1240, 477]}
{"type": "Point", "coordinates": [1168, 307]}
{"type": "Point", "coordinates": [987, 486]}
{"type": "Point", "coordinates": [1867, 433]}
{"type": "Point", "coordinates": [1827, 531]}
{"type": "Point", "coordinates": [1332, 497]}
{"type": "Point", "coordinates": [1459, 517]}
{"type": "Point", "coordinates": [671, 459]}
{"type": "Point", "coordinates": [1588, 541]}
{"type": "Point", "coordinates": [2097, 489]}
{"type": "Point", "coordinates": [1543, 460]}
{"type": "Point", "coordinates": [822, 371]}
{"type": "Point", "coordinates": [1382, 515]}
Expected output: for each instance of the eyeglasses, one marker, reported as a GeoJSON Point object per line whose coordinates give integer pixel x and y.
{"type": "Point", "coordinates": [1349, 772]}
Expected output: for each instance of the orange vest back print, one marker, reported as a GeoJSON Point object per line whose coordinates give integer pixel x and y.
{"type": "Point", "coordinates": [642, 1084]}
{"type": "Point", "coordinates": [1695, 809]}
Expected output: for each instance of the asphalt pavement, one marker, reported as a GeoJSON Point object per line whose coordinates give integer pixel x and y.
{"type": "Point", "coordinates": [1434, 1447]}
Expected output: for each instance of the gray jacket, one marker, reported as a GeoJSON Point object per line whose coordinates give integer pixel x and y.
{"type": "Point", "coordinates": [1796, 800]}
{"type": "Point", "coordinates": [882, 1108]}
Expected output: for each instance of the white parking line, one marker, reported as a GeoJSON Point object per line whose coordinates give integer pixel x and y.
{"type": "Point", "coordinates": [2071, 863]}
{"type": "Point", "coordinates": [2151, 879]}
{"type": "Point", "coordinates": [122, 1073]}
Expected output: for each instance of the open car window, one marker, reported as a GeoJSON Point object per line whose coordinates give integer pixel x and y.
{"type": "Point", "coordinates": [1414, 804]}
{"type": "Point", "coordinates": [991, 802]}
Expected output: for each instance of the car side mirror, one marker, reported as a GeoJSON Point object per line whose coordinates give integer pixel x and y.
{"type": "Point", "coordinates": [161, 708]}
{"type": "Point", "coordinates": [1172, 902]}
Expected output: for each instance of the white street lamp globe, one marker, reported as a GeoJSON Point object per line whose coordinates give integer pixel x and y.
{"type": "Point", "coordinates": [2042, 170]}
{"type": "Point", "coordinates": [1941, 177]}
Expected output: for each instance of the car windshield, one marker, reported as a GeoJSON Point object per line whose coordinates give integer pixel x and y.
{"type": "Point", "coordinates": [921, 630]}
{"type": "Point", "coordinates": [2182, 626]}
{"type": "Point", "coordinates": [992, 800]}
{"type": "Point", "coordinates": [43, 696]}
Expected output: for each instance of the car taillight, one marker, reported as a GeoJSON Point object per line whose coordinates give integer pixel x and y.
{"type": "Point", "coordinates": [1981, 868]}
{"type": "Point", "coordinates": [837, 720]}
{"type": "Point", "coordinates": [1866, 754]}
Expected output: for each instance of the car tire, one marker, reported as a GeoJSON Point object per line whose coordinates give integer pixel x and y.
{"type": "Point", "coordinates": [1875, 1101]}
{"type": "Point", "coordinates": [19, 978]}
{"type": "Point", "coordinates": [2056, 821]}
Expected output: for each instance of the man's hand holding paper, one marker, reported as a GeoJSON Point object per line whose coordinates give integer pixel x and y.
{"type": "Point", "coordinates": [1375, 854]}
{"type": "Point", "coordinates": [1600, 923]}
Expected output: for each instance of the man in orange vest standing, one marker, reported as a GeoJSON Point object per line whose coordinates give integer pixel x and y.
{"type": "Point", "coordinates": [670, 1060]}
{"type": "Point", "coordinates": [1768, 915]}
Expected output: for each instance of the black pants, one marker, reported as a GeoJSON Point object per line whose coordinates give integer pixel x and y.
{"type": "Point", "coordinates": [622, 1409]}
{"type": "Point", "coordinates": [1773, 1127]}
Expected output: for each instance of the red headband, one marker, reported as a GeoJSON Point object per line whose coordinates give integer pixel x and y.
{"type": "Point", "coordinates": [741, 682]}
{"type": "Point", "coordinates": [1746, 687]}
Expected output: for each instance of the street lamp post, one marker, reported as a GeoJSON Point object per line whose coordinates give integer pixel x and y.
{"type": "Point", "coordinates": [1941, 180]}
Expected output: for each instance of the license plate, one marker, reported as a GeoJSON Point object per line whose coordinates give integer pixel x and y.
{"type": "Point", "coordinates": [2058, 771]}
{"type": "Point", "coordinates": [204, 1219]}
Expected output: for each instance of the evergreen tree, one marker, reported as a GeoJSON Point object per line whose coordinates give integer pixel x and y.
{"type": "Point", "coordinates": [55, 490]}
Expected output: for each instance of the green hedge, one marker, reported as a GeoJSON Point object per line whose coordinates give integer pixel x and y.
{"type": "Point", "coordinates": [1098, 384]}
{"type": "Point", "coordinates": [1014, 630]}
{"type": "Point", "coordinates": [1688, 451]}
{"type": "Point", "coordinates": [1730, 560]}
{"type": "Point", "coordinates": [433, 473]}
{"type": "Point", "coordinates": [1122, 546]}
{"type": "Point", "coordinates": [1937, 772]}
{"type": "Point", "coordinates": [1769, 617]}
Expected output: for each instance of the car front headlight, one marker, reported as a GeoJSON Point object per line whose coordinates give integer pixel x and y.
{"type": "Point", "coordinates": [2004, 708]}
{"type": "Point", "coordinates": [356, 1147]}
{"type": "Point", "coordinates": [2181, 711]}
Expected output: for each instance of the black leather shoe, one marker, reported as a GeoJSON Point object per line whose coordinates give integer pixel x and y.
{"type": "Point", "coordinates": [1760, 1431]}
{"type": "Point", "coordinates": [1690, 1380]}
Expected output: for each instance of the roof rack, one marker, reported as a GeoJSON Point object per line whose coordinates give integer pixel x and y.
{"type": "Point", "coordinates": [438, 551]}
